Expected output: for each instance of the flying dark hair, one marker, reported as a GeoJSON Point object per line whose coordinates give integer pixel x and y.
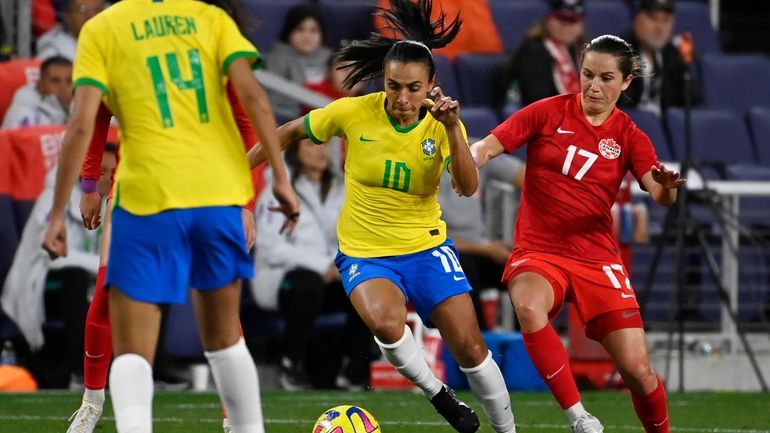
{"type": "Point", "coordinates": [414, 36]}
{"type": "Point", "coordinates": [300, 13]}
{"type": "Point", "coordinates": [629, 61]}
{"type": "Point", "coordinates": [291, 155]}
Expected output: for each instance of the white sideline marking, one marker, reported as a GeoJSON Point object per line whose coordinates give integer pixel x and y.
{"type": "Point", "coordinates": [417, 423]}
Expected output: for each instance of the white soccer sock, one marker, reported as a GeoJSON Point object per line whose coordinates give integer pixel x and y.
{"type": "Point", "coordinates": [94, 396]}
{"type": "Point", "coordinates": [574, 412]}
{"type": "Point", "coordinates": [235, 376]}
{"type": "Point", "coordinates": [408, 360]}
{"type": "Point", "coordinates": [488, 386]}
{"type": "Point", "coordinates": [131, 388]}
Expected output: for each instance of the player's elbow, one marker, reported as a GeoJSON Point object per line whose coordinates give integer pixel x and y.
{"type": "Point", "coordinates": [467, 189]}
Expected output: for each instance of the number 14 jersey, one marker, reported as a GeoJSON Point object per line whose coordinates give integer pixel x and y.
{"type": "Point", "coordinates": [574, 171]}
{"type": "Point", "coordinates": [162, 67]}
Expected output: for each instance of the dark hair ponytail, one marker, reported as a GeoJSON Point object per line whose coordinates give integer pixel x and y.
{"type": "Point", "coordinates": [415, 35]}
{"type": "Point", "coordinates": [629, 61]}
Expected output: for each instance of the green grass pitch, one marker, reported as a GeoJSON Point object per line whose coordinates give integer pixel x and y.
{"type": "Point", "coordinates": [397, 412]}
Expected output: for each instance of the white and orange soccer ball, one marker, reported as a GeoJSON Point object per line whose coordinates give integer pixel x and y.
{"type": "Point", "coordinates": [346, 419]}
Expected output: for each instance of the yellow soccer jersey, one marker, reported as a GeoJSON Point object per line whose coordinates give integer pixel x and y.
{"type": "Point", "coordinates": [162, 67]}
{"type": "Point", "coordinates": [391, 177]}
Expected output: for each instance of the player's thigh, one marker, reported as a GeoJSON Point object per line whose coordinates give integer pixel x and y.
{"type": "Point", "coordinates": [382, 306]}
{"type": "Point", "coordinates": [456, 320]}
{"type": "Point", "coordinates": [135, 325]}
{"type": "Point", "coordinates": [537, 285]}
{"type": "Point", "coordinates": [217, 313]}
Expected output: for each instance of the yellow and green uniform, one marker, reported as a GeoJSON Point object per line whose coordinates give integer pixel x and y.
{"type": "Point", "coordinates": [391, 176]}
{"type": "Point", "coordinates": [162, 66]}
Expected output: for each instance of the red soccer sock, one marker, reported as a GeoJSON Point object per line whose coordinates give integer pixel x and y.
{"type": "Point", "coordinates": [98, 344]}
{"type": "Point", "coordinates": [652, 409]}
{"type": "Point", "coordinates": [550, 358]}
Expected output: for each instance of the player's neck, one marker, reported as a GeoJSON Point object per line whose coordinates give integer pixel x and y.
{"type": "Point", "coordinates": [598, 118]}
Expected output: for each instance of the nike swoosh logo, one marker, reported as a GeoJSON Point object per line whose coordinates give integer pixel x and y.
{"type": "Point", "coordinates": [661, 423]}
{"type": "Point", "coordinates": [458, 278]}
{"type": "Point", "coordinates": [552, 375]}
{"type": "Point", "coordinates": [627, 315]}
{"type": "Point", "coordinates": [518, 262]}
{"type": "Point", "coordinates": [564, 131]}
{"type": "Point", "coordinates": [93, 356]}
{"type": "Point", "coordinates": [624, 296]}
{"type": "Point", "coordinates": [362, 138]}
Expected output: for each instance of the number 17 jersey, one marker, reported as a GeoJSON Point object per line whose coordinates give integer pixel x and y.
{"type": "Point", "coordinates": [574, 171]}
{"type": "Point", "coordinates": [162, 67]}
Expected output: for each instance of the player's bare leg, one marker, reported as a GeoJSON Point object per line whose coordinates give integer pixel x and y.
{"type": "Point", "coordinates": [457, 321]}
{"type": "Point", "coordinates": [532, 297]}
{"type": "Point", "coordinates": [381, 306]}
{"type": "Point", "coordinates": [628, 348]}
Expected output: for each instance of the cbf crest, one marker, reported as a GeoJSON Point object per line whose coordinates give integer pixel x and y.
{"type": "Point", "coordinates": [429, 148]}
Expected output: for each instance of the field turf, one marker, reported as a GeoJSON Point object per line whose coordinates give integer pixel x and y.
{"type": "Point", "coordinates": [401, 412]}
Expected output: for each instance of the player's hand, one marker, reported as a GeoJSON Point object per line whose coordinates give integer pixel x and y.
{"type": "Point", "coordinates": [446, 110]}
{"type": "Point", "coordinates": [288, 205]}
{"type": "Point", "coordinates": [668, 179]}
{"type": "Point", "coordinates": [499, 251]}
{"type": "Point", "coordinates": [55, 239]}
{"type": "Point", "coordinates": [90, 209]}
{"type": "Point", "coordinates": [249, 227]}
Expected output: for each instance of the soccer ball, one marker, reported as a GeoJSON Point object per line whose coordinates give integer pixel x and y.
{"type": "Point", "coordinates": [346, 419]}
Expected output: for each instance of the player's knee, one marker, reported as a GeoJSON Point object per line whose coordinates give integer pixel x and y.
{"type": "Point", "coordinates": [530, 313]}
{"type": "Point", "coordinates": [388, 329]}
{"type": "Point", "coordinates": [638, 375]}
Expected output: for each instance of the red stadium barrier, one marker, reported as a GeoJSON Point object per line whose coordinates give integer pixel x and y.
{"type": "Point", "coordinates": [14, 74]}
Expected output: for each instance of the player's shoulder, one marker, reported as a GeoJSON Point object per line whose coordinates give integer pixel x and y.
{"type": "Point", "coordinates": [558, 102]}
{"type": "Point", "coordinates": [357, 105]}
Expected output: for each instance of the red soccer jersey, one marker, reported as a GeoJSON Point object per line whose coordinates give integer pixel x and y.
{"type": "Point", "coordinates": [573, 174]}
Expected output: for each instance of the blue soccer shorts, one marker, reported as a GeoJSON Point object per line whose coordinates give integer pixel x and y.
{"type": "Point", "coordinates": [156, 258]}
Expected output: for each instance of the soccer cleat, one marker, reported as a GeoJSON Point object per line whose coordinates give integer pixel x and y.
{"type": "Point", "coordinates": [459, 415]}
{"type": "Point", "coordinates": [226, 426]}
{"type": "Point", "coordinates": [293, 376]}
{"type": "Point", "coordinates": [84, 419]}
{"type": "Point", "coordinates": [587, 424]}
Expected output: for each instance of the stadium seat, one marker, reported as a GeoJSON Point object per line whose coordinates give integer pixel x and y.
{"type": "Point", "coordinates": [753, 210]}
{"type": "Point", "coordinates": [718, 136]}
{"type": "Point", "coordinates": [694, 17]}
{"type": "Point", "coordinates": [265, 21]}
{"type": "Point", "coordinates": [347, 20]}
{"type": "Point", "coordinates": [653, 127]}
{"type": "Point", "coordinates": [478, 121]}
{"type": "Point", "coordinates": [514, 18]}
{"type": "Point", "coordinates": [605, 17]}
{"type": "Point", "coordinates": [14, 74]}
{"type": "Point", "coordinates": [445, 76]}
{"type": "Point", "coordinates": [480, 78]}
{"type": "Point", "coordinates": [759, 124]}
{"type": "Point", "coordinates": [736, 82]}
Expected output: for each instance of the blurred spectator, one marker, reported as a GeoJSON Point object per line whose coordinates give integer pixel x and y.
{"type": "Point", "coordinates": [38, 289]}
{"type": "Point", "coordinates": [46, 102]}
{"type": "Point", "coordinates": [630, 221]}
{"type": "Point", "coordinates": [478, 34]}
{"type": "Point", "coordinates": [298, 55]}
{"type": "Point", "coordinates": [61, 40]}
{"type": "Point", "coordinates": [546, 63]}
{"type": "Point", "coordinates": [333, 87]}
{"type": "Point", "coordinates": [481, 258]}
{"type": "Point", "coordinates": [43, 16]}
{"type": "Point", "coordinates": [296, 274]}
{"type": "Point", "coordinates": [662, 85]}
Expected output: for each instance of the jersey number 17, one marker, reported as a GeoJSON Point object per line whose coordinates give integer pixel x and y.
{"type": "Point", "coordinates": [161, 88]}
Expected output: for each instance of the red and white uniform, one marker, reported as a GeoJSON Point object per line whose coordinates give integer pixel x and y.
{"type": "Point", "coordinates": [574, 171]}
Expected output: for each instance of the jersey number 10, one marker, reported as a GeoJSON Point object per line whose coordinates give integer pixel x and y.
{"type": "Point", "coordinates": [397, 177]}
{"type": "Point", "coordinates": [195, 83]}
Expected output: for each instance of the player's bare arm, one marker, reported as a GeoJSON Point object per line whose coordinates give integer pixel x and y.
{"type": "Point", "coordinates": [75, 144]}
{"type": "Point", "coordinates": [485, 150]}
{"type": "Point", "coordinates": [662, 183]}
{"type": "Point", "coordinates": [446, 110]}
{"type": "Point", "coordinates": [288, 133]}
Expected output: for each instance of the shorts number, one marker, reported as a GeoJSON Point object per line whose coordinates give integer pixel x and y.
{"type": "Point", "coordinates": [609, 271]}
{"type": "Point", "coordinates": [397, 182]}
{"type": "Point", "coordinates": [452, 258]}
{"type": "Point", "coordinates": [590, 159]}
{"type": "Point", "coordinates": [195, 83]}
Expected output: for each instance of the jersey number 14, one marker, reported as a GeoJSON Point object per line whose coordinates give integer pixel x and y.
{"type": "Point", "coordinates": [161, 87]}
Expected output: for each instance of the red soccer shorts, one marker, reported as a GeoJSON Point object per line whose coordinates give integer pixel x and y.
{"type": "Point", "coordinates": [596, 289]}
